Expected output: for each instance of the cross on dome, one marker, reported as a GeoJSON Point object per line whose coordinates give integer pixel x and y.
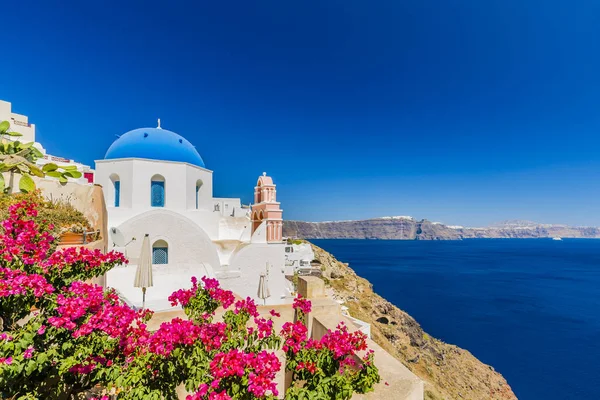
{"type": "Point", "coordinates": [158, 127]}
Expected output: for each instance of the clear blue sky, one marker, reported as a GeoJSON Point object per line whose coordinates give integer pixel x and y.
{"type": "Point", "coordinates": [465, 112]}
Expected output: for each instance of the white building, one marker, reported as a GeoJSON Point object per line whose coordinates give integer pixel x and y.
{"type": "Point", "coordinates": [20, 123]}
{"type": "Point", "coordinates": [156, 183]}
{"type": "Point", "coordinates": [298, 257]}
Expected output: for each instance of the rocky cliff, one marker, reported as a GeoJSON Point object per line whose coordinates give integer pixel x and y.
{"type": "Point", "coordinates": [448, 371]}
{"type": "Point", "coordinates": [411, 229]}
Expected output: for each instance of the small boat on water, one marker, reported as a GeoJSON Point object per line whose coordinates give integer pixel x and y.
{"type": "Point", "coordinates": [556, 238]}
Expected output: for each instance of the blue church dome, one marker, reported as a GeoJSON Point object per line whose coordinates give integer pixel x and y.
{"type": "Point", "coordinates": [154, 144]}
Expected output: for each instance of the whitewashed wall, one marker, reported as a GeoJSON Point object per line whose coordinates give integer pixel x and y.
{"type": "Point", "coordinates": [226, 206]}
{"type": "Point", "coordinates": [251, 261]}
{"type": "Point", "coordinates": [188, 243]}
{"type": "Point", "coordinates": [260, 234]}
{"type": "Point", "coordinates": [18, 122]}
{"type": "Point", "coordinates": [166, 281]}
{"type": "Point", "coordinates": [231, 228]}
{"type": "Point", "coordinates": [136, 174]}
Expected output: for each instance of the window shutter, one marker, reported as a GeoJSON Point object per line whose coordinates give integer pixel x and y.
{"type": "Point", "coordinates": [117, 193]}
{"type": "Point", "coordinates": [157, 195]}
{"type": "Point", "coordinates": [160, 255]}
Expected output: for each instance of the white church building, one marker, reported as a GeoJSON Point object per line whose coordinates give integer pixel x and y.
{"type": "Point", "coordinates": [156, 183]}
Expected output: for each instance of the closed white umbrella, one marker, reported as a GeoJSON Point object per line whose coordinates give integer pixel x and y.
{"type": "Point", "coordinates": [263, 288]}
{"type": "Point", "coordinates": [143, 274]}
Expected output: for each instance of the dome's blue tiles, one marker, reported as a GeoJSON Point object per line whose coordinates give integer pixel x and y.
{"type": "Point", "coordinates": [154, 144]}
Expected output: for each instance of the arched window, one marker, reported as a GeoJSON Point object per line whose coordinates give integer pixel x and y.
{"type": "Point", "coordinates": [160, 252]}
{"type": "Point", "coordinates": [199, 184]}
{"type": "Point", "coordinates": [157, 191]}
{"type": "Point", "coordinates": [114, 178]}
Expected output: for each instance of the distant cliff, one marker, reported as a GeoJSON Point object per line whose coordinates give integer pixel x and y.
{"type": "Point", "coordinates": [408, 228]}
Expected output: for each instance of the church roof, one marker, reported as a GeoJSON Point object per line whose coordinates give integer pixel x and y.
{"type": "Point", "coordinates": [265, 180]}
{"type": "Point", "coordinates": [154, 144]}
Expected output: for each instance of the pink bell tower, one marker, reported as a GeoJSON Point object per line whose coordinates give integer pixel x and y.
{"type": "Point", "coordinates": [266, 209]}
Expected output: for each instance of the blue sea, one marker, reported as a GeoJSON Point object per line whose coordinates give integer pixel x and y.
{"type": "Point", "coordinates": [528, 307]}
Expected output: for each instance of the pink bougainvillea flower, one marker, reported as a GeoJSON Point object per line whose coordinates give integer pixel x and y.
{"type": "Point", "coordinates": [28, 353]}
{"type": "Point", "coordinates": [302, 304]}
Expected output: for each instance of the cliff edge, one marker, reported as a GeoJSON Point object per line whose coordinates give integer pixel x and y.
{"type": "Point", "coordinates": [449, 371]}
{"type": "Point", "coordinates": [407, 228]}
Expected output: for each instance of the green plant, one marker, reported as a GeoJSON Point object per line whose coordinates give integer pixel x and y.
{"type": "Point", "coordinates": [58, 213]}
{"type": "Point", "coordinates": [19, 158]}
{"type": "Point", "coordinates": [75, 228]}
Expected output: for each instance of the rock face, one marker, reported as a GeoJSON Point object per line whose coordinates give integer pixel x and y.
{"type": "Point", "coordinates": [449, 371]}
{"type": "Point", "coordinates": [406, 228]}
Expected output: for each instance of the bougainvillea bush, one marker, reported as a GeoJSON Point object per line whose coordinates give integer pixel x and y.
{"type": "Point", "coordinates": [62, 336]}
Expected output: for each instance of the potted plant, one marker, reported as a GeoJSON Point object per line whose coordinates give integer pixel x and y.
{"type": "Point", "coordinates": [65, 222]}
{"type": "Point", "coordinates": [73, 234]}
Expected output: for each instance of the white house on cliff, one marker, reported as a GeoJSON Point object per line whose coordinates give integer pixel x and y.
{"type": "Point", "coordinates": [155, 182]}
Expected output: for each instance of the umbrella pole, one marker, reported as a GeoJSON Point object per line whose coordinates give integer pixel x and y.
{"type": "Point", "coordinates": [143, 298]}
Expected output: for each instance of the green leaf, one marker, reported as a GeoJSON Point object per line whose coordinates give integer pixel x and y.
{"type": "Point", "coordinates": [62, 179]}
{"type": "Point", "coordinates": [31, 367]}
{"type": "Point", "coordinates": [24, 153]}
{"type": "Point", "coordinates": [73, 174]}
{"type": "Point", "coordinates": [69, 167]}
{"type": "Point", "coordinates": [11, 133]}
{"type": "Point", "coordinates": [26, 184]}
{"type": "Point", "coordinates": [4, 125]}
{"type": "Point", "coordinates": [35, 170]}
{"type": "Point", "coordinates": [2, 183]}
{"type": "Point", "coordinates": [54, 174]}
{"type": "Point", "coordinates": [49, 167]}
{"type": "Point", "coordinates": [36, 152]}
{"type": "Point", "coordinates": [42, 358]}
